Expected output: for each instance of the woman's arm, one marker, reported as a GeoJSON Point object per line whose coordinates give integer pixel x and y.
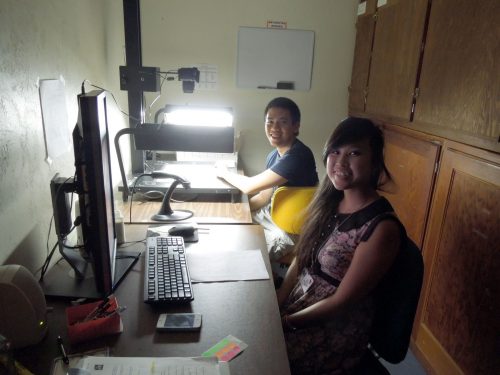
{"type": "Point", "coordinates": [370, 262]}
{"type": "Point", "coordinates": [288, 283]}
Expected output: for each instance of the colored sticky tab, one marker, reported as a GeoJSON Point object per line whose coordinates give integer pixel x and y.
{"type": "Point", "coordinates": [226, 349]}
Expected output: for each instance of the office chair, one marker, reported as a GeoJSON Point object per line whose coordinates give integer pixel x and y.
{"type": "Point", "coordinates": [396, 300]}
{"type": "Point", "coordinates": [288, 206]}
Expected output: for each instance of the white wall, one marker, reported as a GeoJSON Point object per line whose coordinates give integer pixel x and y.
{"type": "Point", "coordinates": [180, 33]}
{"type": "Point", "coordinates": [83, 39]}
{"type": "Point", "coordinates": [45, 40]}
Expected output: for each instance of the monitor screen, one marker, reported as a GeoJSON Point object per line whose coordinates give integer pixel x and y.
{"type": "Point", "coordinates": [97, 268]}
{"type": "Point", "coordinates": [95, 187]}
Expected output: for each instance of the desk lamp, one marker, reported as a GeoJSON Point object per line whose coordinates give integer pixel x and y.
{"type": "Point", "coordinates": [166, 213]}
{"type": "Point", "coordinates": [166, 137]}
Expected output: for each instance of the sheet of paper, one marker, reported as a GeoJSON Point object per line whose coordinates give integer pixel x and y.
{"type": "Point", "coordinates": [55, 118]}
{"type": "Point", "coordinates": [154, 366]}
{"type": "Point", "coordinates": [213, 266]}
{"type": "Point", "coordinates": [60, 368]}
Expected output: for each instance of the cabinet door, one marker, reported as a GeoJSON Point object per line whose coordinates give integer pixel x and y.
{"type": "Point", "coordinates": [365, 25]}
{"type": "Point", "coordinates": [458, 323]}
{"type": "Point", "coordinates": [395, 59]}
{"type": "Point", "coordinates": [459, 87]}
{"type": "Point", "coordinates": [411, 160]}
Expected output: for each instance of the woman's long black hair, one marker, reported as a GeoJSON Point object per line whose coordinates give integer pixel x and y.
{"type": "Point", "coordinates": [327, 198]}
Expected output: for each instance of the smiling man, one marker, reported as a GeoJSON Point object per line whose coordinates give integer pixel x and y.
{"type": "Point", "coordinates": [291, 163]}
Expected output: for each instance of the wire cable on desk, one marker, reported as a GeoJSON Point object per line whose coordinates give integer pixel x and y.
{"type": "Point", "coordinates": [153, 194]}
{"type": "Point", "coordinates": [130, 243]}
{"type": "Point", "coordinates": [132, 197]}
{"type": "Point", "coordinates": [46, 264]}
{"type": "Point", "coordinates": [126, 257]}
{"type": "Point", "coordinates": [49, 254]}
{"type": "Point", "coordinates": [157, 194]}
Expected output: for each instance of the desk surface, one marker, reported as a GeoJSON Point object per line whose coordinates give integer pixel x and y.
{"type": "Point", "coordinates": [247, 310]}
{"type": "Point", "coordinates": [212, 200]}
{"type": "Point", "coordinates": [204, 212]}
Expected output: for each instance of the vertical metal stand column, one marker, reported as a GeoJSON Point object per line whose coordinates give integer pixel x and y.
{"type": "Point", "coordinates": [133, 54]}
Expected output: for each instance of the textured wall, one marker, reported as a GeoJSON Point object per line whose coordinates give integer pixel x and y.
{"type": "Point", "coordinates": [42, 40]}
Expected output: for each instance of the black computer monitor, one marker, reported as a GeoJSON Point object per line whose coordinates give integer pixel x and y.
{"type": "Point", "coordinates": [96, 267]}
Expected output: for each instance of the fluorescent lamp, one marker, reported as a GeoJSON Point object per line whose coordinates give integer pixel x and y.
{"type": "Point", "coordinates": [196, 116]}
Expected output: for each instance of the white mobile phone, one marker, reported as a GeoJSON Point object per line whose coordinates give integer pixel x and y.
{"type": "Point", "coordinates": [179, 322]}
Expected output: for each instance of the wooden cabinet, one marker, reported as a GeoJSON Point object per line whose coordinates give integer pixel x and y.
{"type": "Point", "coordinates": [430, 65]}
{"type": "Point", "coordinates": [453, 119]}
{"type": "Point", "coordinates": [395, 59]}
{"type": "Point", "coordinates": [387, 57]}
{"type": "Point", "coordinates": [412, 159]}
{"type": "Point", "coordinates": [365, 27]}
{"type": "Point", "coordinates": [458, 324]}
{"type": "Point", "coordinates": [459, 87]}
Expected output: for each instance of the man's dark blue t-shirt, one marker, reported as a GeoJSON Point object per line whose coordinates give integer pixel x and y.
{"type": "Point", "coordinates": [297, 165]}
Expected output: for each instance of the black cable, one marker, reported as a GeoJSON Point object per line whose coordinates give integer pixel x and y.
{"type": "Point", "coordinates": [78, 247]}
{"type": "Point", "coordinates": [112, 95]}
{"type": "Point", "coordinates": [164, 77]}
{"type": "Point", "coordinates": [48, 234]}
{"type": "Point", "coordinates": [173, 72]}
{"type": "Point", "coordinates": [126, 256]}
{"type": "Point", "coordinates": [153, 194]}
{"type": "Point", "coordinates": [45, 265]}
{"type": "Point", "coordinates": [132, 197]}
{"type": "Point", "coordinates": [130, 243]}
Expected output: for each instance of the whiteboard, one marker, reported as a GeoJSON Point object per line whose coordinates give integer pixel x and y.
{"type": "Point", "coordinates": [274, 58]}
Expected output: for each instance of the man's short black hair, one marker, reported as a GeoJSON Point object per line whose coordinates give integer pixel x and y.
{"type": "Point", "coordinates": [285, 103]}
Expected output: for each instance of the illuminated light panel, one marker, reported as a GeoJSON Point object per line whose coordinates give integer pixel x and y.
{"type": "Point", "coordinates": [199, 117]}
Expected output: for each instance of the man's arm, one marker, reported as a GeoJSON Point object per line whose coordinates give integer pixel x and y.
{"type": "Point", "coordinates": [254, 184]}
{"type": "Point", "coordinates": [260, 199]}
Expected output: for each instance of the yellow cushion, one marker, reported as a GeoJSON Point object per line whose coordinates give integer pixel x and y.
{"type": "Point", "coordinates": [288, 207]}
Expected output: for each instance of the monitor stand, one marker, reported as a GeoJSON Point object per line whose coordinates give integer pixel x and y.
{"type": "Point", "coordinates": [60, 280]}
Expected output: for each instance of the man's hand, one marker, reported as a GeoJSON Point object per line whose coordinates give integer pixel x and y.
{"type": "Point", "coordinates": [221, 169]}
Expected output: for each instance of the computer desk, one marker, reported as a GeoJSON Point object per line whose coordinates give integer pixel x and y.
{"type": "Point", "coordinates": [204, 212]}
{"type": "Point", "coordinates": [202, 178]}
{"type": "Point", "coordinates": [212, 200]}
{"type": "Point", "coordinates": [247, 310]}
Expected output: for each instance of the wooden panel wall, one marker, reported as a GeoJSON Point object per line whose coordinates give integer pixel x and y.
{"type": "Point", "coordinates": [459, 322]}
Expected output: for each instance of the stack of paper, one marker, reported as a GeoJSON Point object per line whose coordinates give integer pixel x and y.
{"type": "Point", "coordinates": [154, 365]}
